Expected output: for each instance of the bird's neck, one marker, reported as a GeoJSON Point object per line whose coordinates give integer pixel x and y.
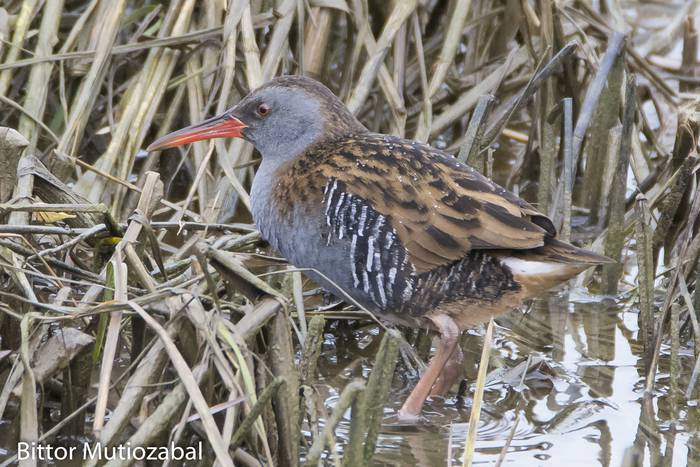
{"type": "Point", "coordinates": [272, 194]}
{"type": "Point", "coordinates": [261, 192]}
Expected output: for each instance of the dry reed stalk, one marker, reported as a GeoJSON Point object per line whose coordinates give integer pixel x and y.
{"type": "Point", "coordinates": [350, 393]}
{"type": "Point", "coordinates": [29, 420]}
{"type": "Point", "coordinates": [4, 29]}
{"type": "Point", "coordinates": [470, 98]}
{"type": "Point", "coordinates": [615, 48]}
{"type": "Point", "coordinates": [548, 127]}
{"type": "Point", "coordinates": [399, 14]}
{"type": "Point", "coordinates": [201, 151]}
{"type": "Point", "coordinates": [453, 38]}
{"type": "Point", "coordinates": [475, 414]}
{"type": "Point", "coordinates": [645, 278]}
{"type": "Point", "coordinates": [62, 55]}
{"type": "Point", "coordinates": [367, 410]}
{"type": "Point", "coordinates": [602, 125]}
{"type": "Point", "coordinates": [37, 89]}
{"type": "Point", "coordinates": [471, 147]}
{"type": "Point", "coordinates": [386, 82]}
{"type": "Point", "coordinates": [112, 331]}
{"type": "Point", "coordinates": [85, 99]}
{"type": "Point", "coordinates": [150, 195]}
{"type": "Point", "coordinates": [318, 29]}
{"type": "Point", "coordinates": [22, 23]}
{"type": "Point", "coordinates": [113, 73]}
{"type": "Point", "coordinates": [568, 172]}
{"type": "Point", "coordinates": [675, 370]}
{"type": "Point", "coordinates": [615, 239]}
{"type": "Point", "coordinates": [141, 100]}
{"type": "Point", "coordinates": [281, 353]}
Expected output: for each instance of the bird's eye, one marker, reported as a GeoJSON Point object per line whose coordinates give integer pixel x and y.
{"type": "Point", "coordinates": [263, 110]}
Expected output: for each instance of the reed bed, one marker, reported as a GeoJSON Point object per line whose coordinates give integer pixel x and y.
{"type": "Point", "coordinates": [138, 301]}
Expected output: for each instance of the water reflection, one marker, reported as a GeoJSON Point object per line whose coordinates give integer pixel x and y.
{"type": "Point", "coordinates": [582, 402]}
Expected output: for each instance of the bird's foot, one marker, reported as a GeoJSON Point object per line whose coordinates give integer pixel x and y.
{"type": "Point", "coordinates": [449, 337]}
{"type": "Point", "coordinates": [409, 415]}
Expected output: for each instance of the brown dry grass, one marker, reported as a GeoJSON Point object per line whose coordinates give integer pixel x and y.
{"type": "Point", "coordinates": [132, 285]}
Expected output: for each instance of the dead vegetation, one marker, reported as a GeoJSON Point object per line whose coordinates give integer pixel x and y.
{"type": "Point", "coordinates": [139, 302]}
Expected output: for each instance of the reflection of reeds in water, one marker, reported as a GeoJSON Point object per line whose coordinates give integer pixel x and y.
{"type": "Point", "coordinates": [168, 308]}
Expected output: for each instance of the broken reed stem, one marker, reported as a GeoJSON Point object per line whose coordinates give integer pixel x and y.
{"type": "Point", "coordinates": [603, 124]}
{"type": "Point", "coordinates": [29, 420]}
{"type": "Point", "coordinates": [246, 425]}
{"type": "Point", "coordinates": [645, 277]}
{"type": "Point", "coordinates": [671, 204]}
{"type": "Point", "coordinates": [286, 400]}
{"type": "Point", "coordinates": [471, 147]}
{"type": "Point", "coordinates": [367, 409]}
{"type": "Point", "coordinates": [616, 45]}
{"type": "Point", "coordinates": [349, 394]}
{"type": "Point", "coordinates": [12, 145]}
{"type": "Point", "coordinates": [312, 350]}
{"type": "Point", "coordinates": [371, 403]}
{"type": "Point", "coordinates": [119, 273]}
{"type": "Point", "coordinates": [675, 370]}
{"type": "Point", "coordinates": [568, 174]}
{"type": "Point", "coordinates": [615, 239]}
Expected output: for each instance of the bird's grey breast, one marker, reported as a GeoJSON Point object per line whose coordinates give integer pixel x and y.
{"type": "Point", "coordinates": [298, 231]}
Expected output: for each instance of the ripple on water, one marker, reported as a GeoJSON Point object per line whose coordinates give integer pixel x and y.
{"type": "Point", "coordinates": [580, 404]}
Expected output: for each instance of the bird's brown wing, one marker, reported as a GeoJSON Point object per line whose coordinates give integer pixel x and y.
{"type": "Point", "coordinates": [439, 208]}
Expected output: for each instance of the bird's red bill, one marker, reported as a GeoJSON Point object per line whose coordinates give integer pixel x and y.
{"type": "Point", "coordinates": [222, 126]}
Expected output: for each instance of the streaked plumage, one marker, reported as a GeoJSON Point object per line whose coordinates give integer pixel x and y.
{"type": "Point", "coordinates": [404, 229]}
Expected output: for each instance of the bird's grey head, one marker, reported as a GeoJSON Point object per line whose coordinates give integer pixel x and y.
{"type": "Point", "coordinates": [282, 119]}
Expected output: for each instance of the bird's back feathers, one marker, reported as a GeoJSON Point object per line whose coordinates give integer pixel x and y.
{"type": "Point", "coordinates": [439, 208]}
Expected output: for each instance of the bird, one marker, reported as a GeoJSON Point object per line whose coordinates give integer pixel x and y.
{"type": "Point", "coordinates": [401, 228]}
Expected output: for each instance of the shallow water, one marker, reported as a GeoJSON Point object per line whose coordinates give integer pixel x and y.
{"type": "Point", "coordinates": [582, 402]}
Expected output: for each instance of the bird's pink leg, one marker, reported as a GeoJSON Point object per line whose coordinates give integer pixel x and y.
{"type": "Point", "coordinates": [453, 370]}
{"type": "Point", "coordinates": [449, 338]}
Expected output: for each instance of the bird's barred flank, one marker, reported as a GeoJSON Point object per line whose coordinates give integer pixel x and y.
{"type": "Point", "coordinates": [381, 268]}
{"type": "Point", "coordinates": [376, 259]}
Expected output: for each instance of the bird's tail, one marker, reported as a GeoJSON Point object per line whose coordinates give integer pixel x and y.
{"type": "Point", "coordinates": [542, 268]}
